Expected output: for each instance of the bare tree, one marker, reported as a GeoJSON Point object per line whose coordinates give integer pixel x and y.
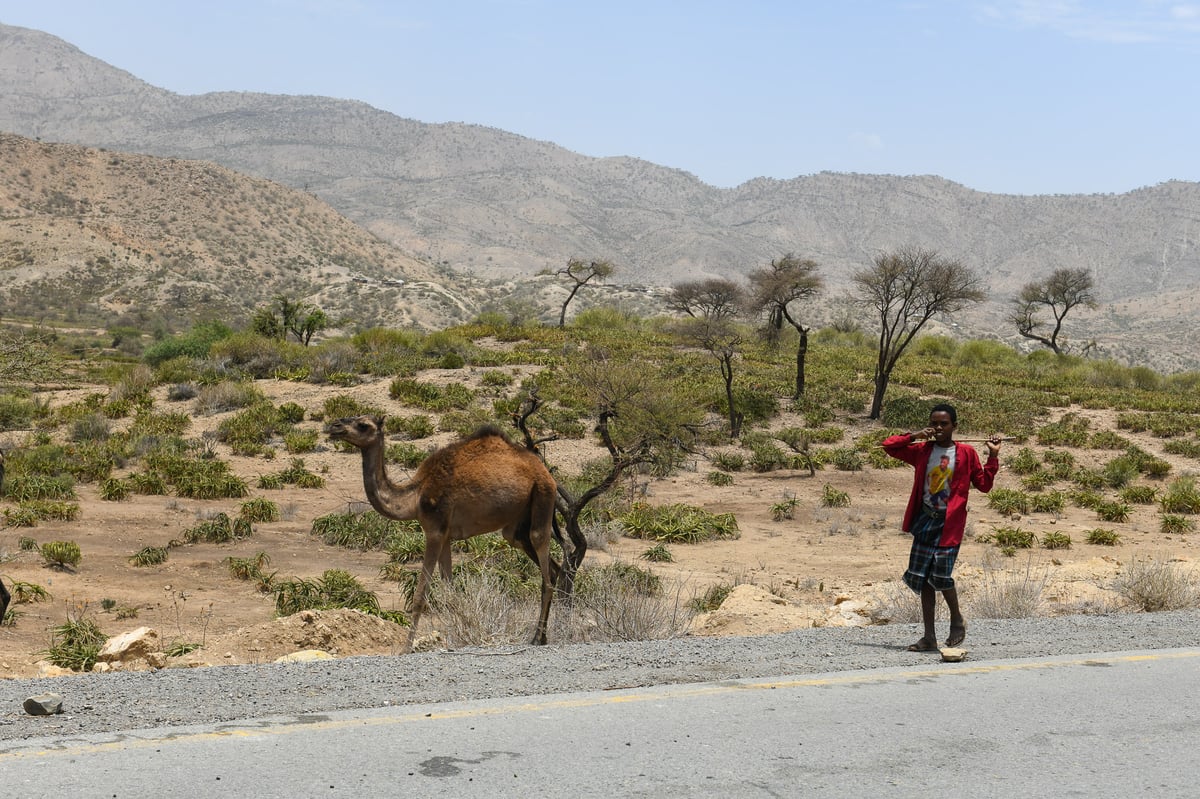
{"type": "Point", "coordinates": [907, 288]}
{"type": "Point", "coordinates": [1060, 292]}
{"type": "Point", "coordinates": [775, 290]}
{"type": "Point", "coordinates": [580, 274]}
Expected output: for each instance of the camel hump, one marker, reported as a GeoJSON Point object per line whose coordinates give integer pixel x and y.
{"type": "Point", "coordinates": [487, 431]}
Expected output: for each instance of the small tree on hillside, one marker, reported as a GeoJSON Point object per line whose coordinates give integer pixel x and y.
{"type": "Point", "coordinates": [775, 290]}
{"type": "Point", "coordinates": [712, 306]}
{"type": "Point", "coordinates": [285, 315]}
{"type": "Point", "coordinates": [580, 274]}
{"type": "Point", "coordinates": [1060, 292]}
{"type": "Point", "coordinates": [907, 288]}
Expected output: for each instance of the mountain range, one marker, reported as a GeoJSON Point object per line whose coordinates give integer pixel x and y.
{"type": "Point", "coordinates": [488, 205]}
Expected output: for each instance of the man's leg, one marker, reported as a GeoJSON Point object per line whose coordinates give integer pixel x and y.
{"type": "Point", "coordinates": [928, 642]}
{"type": "Point", "coordinates": [958, 625]}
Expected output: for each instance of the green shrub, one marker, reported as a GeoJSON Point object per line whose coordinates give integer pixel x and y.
{"type": "Point", "coordinates": [1175, 524]}
{"type": "Point", "coordinates": [1014, 537]}
{"type": "Point", "coordinates": [1037, 481]}
{"type": "Point", "coordinates": [259, 510]}
{"type": "Point", "coordinates": [785, 509]}
{"type": "Point", "coordinates": [75, 644]}
{"type": "Point", "coordinates": [342, 406]}
{"type": "Point", "coordinates": [1024, 462]}
{"type": "Point", "coordinates": [678, 523]}
{"type": "Point", "coordinates": [1008, 501]}
{"type": "Point", "coordinates": [1056, 540]}
{"type": "Point", "coordinates": [336, 588]}
{"type": "Point", "coordinates": [1103, 537]}
{"type": "Point", "coordinates": [1181, 496]}
{"type": "Point", "coordinates": [300, 441]}
{"type": "Point", "coordinates": [115, 490]}
{"type": "Point", "coordinates": [412, 427]}
{"type": "Point", "coordinates": [149, 556]}
{"type": "Point", "coordinates": [193, 344]}
{"type": "Point", "coordinates": [362, 531]}
{"type": "Point", "coordinates": [766, 457]}
{"type": "Point", "coordinates": [1048, 502]}
{"type": "Point", "coordinates": [729, 461]}
{"type": "Point", "coordinates": [833, 498]}
{"type": "Point", "coordinates": [61, 554]}
{"type": "Point", "coordinates": [847, 459]}
{"type": "Point", "coordinates": [1139, 494]}
{"type": "Point", "coordinates": [218, 530]}
{"type": "Point", "coordinates": [719, 478]}
{"type": "Point", "coordinates": [405, 454]}
{"type": "Point", "coordinates": [711, 599]}
{"type": "Point", "coordinates": [659, 553]}
{"type": "Point", "coordinates": [1113, 511]}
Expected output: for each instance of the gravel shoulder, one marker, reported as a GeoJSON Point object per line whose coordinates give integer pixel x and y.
{"type": "Point", "coordinates": [96, 703]}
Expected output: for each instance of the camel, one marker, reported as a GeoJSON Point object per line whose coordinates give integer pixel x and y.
{"type": "Point", "coordinates": [473, 486]}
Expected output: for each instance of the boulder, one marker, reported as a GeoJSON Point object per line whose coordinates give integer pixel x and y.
{"type": "Point", "coordinates": [43, 704]}
{"type": "Point", "coordinates": [133, 645]}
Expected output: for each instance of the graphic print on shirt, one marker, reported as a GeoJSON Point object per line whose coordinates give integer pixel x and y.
{"type": "Point", "coordinates": [938, 476]}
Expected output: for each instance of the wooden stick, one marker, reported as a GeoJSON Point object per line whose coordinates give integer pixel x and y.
{"type": "Point", "coordinates": [956, 441]}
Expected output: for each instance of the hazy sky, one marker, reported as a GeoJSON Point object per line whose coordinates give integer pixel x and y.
{"type": "Point", "coordinates": [1011, 96]}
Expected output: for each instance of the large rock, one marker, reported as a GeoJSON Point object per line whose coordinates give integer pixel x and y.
{"type": "Point", "coordinates": [43, 704]}
{"type": "Point", "coordinates": [136, 644]}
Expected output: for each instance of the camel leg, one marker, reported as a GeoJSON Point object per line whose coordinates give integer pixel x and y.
{"type": "Point", "coordinates": [4, 599]}
{"type": "Point", "coordinates": [434, 545]}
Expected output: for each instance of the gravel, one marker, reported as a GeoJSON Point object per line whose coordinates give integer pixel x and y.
{"type": "Point", "coordinates": [94, 703]}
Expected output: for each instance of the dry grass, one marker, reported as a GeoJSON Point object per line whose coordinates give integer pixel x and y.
{"type": "Point", "coordinates": [1159, 583]}
{"type": "Point", "coordinates": [1007, 593]}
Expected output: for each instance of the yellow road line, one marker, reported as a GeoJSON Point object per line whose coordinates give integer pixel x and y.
{"type": "Point", "coordinates": [660, 693]}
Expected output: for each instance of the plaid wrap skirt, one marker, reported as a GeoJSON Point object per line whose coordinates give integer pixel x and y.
{"type": "Point", "coordinates": [927, 562]}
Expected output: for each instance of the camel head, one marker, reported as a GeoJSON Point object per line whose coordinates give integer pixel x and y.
{"type": "Point", "coordinates": [358, 431]}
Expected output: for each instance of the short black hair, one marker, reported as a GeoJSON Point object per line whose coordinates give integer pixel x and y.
{"type": "Point", "coordinates": [948, 408]}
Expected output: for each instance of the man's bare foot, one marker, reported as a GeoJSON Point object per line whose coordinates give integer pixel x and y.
{"type": "Point", "coordinates": [924, 645]}
{"type": "Point", "coordinates": [958, 632]}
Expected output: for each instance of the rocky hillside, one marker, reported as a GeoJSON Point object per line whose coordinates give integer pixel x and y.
{"type": "Point", "coordinates": [95, 235]}
{"type": "Point", "coordinates": [491, 204]}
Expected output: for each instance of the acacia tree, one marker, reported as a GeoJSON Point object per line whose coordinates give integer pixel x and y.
{"type": "Point", "coordinates": [285, 315]}
{"type": "Point", "coordinates": [640, 419]}
{"type": "Point", "coordinates": [1060, 292]}
{"type": "Point", "coordinates": [774, 289]}
{"type": "Point", "coordinates": [580, 274]}
{"type": "Point", "coordinates": [907, 288]}
{"type": "Point", "coordinates": [712, 305]}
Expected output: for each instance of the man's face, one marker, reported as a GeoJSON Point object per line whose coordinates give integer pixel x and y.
{"type": "Point", "coordinates": [943, 428]}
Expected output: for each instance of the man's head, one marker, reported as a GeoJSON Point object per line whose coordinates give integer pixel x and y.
{"type": "Point", "coordinates": [943, 419]}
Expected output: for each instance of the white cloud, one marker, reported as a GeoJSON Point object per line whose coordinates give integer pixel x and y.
{"type": "Point", "coordinates": [1113, 21]}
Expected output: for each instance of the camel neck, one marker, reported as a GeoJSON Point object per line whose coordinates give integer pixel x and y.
{"type": "Point", "coordinates": [389, 499]}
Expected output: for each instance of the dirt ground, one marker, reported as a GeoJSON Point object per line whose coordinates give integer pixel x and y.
{"type": "Point", "coordinates": [822, 567]}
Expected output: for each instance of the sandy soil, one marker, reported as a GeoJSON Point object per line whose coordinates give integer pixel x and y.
{"type": "Point", "coordinates": [823, 567]}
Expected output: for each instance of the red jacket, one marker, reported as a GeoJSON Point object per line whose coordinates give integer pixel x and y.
{"type": "Point", "coordinates": [968, 471]}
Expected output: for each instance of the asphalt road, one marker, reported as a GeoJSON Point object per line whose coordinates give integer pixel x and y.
{"type": "Point", "coordinates": [1119, 724]}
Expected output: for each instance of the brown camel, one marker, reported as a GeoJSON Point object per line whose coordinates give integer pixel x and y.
{"type": "Point", "coordinates": [479, 484]}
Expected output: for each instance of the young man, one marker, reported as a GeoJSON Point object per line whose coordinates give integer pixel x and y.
{"type": "Point", "coordinates": [936, 515]}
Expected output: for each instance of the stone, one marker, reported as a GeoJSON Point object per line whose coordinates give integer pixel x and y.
{"type": "Point", "coordinates": [304, 656]}
{"type": "Point", "coordinates": [132, 645]}
{"type": "Point", "coordinates": [48, 669]}
{"type": "Point", "coordinates": [43, 704]}
{"type": "Point", "coordinates": [953, 654]}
